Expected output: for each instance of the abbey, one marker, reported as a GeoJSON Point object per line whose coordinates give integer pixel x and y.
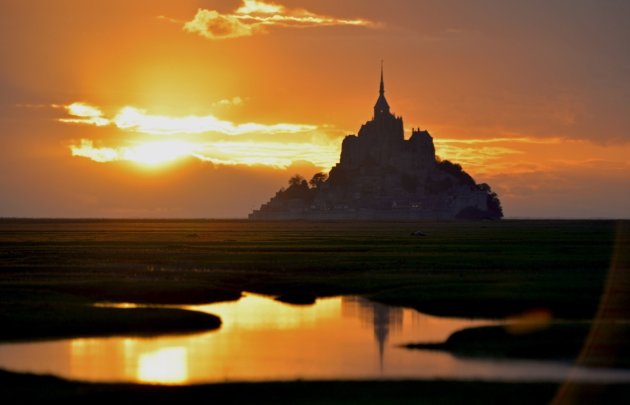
{"type": "Point", "coordinates": [383, 176]}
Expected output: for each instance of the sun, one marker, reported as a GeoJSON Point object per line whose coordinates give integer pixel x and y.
{"type": "Point", "coordinates": [147, 153]}
{"type": "Point", "coordinates": [158, 153]}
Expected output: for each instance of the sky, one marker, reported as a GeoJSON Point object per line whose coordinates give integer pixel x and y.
{"type": "Point", "coordinates": [204, 109]}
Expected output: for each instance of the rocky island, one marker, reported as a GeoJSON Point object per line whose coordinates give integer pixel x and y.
{"type": "Point", "coordinates": [383, 176]}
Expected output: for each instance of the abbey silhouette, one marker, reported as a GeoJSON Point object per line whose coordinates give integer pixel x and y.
{"type": "Point", "coordinates": [381, 175]}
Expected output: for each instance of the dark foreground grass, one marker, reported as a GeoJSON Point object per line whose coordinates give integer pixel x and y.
{"type": "Point", "coordinates": [20, 387]}
{"type": "Point", "coordinates": [51, 271]}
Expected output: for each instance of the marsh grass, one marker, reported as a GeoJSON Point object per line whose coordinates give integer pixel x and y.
{"type": "Point", "coordinates": [51, 271]}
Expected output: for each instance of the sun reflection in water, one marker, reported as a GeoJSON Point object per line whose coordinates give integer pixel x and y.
{"type": "Point", "coordinates": [262, 339]}
{"type": "Point", "coordinates": [164, 366]}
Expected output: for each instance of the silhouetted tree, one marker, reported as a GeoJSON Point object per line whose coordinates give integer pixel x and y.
{"type": "Point", "coordinates": [296, 180]}
{"type": "Point", "coordinates": [456, 171]}
{"type": "Point", "coordinates": [484, 187]}
{"type": "Point", "coordinates": [298, 189]}
{"type": "Point", "coordinates": [318, 179]}
{"type": "Point", "coordinates": [494, 204]}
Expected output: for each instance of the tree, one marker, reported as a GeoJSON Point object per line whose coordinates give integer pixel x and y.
{"type": "Point", "coordinates": [296, 180]}
{"type": "Point", "coordinates": [318, 179]}
{"type": "Point", "coordinates": [494, 204]}
{"type": "Point", "coordinates": [456, 171]}
{"type": "Point", "coordinates": [484, 187]}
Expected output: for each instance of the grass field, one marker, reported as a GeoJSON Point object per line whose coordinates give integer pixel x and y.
{"type": "Point", "coordinates": [51, 271]}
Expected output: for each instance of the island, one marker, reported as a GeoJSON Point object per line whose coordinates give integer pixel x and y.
{"type": "Point", "coordinates": [383, 176]}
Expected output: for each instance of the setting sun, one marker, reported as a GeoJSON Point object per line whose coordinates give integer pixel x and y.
{"type": "Point", "coordinates": [148, 153]}
{"type": "Point", "coordinates": [155, 153]}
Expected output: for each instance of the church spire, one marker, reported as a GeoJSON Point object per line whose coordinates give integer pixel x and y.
{"type": "Point", "coordinates": [382, 89]}
{"type": "Point", "coordinates": [381, 108]}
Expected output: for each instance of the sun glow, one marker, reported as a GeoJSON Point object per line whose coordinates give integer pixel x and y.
{"type": "Point", "coordinates": [203, 137]}
{"type": "Point", "coordinates": [149, 153]}
{"type": "Point", "coordinates": [230, 153]}
{"type": "Point", "coordinates": [155, 153]}
{"type": "Point", "coordinates": [164, 366]}
{"type": "Point", "coordinates": [135, 119]}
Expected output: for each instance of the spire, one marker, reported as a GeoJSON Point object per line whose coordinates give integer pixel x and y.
{"type": "Point", "coordinates": [382, 89]}
{"type": "Point", "coordinates": [381, 108]}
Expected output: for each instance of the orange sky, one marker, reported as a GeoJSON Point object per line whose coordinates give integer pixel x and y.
{"type": "Point", "coordinates": [161, 108]}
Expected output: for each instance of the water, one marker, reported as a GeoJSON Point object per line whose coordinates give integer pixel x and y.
{"type": "Point", "coordinates": [261, 339]}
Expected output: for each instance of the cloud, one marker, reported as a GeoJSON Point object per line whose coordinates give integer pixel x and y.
{"type": "Point", "coordinates": [248, 153]}
{"type": "Point", "coordinates": [212, 25]}
{"type": "Point", "coordinates": [138, 120]}
{"type": "Point", "coordinates": [523, 139]}
{"type": "Point", "coordinates": [185, 137]}
{"type": "Point", "coordinates": [276, 154]}
{"type": "Point", "coordinates": [147, 153]}
{"type": "Point", "coordinates": [255, 16]}
{"type": "Point", "coordinates": [134, 119]}
{"type": "Point", "coordinates": [253, 7]}
{"type": "Point", "coordinates": [86, 114]}
{"type": "Point", "coordinates": [228, 102]}
{"type": "Point", "coordinates": [86, 149]}
{"type": "Point", "coordinates": [480, 156]}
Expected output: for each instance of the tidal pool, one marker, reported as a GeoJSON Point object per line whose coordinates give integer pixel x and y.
{"type": "Point", "coordinates": [262, 339]}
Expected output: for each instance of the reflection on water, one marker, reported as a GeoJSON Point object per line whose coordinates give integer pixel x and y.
{"type": "Point", "coordinates": [381, 317]}
{"type": "Point", "coordinates": [261, 339]}
{"type": "Point", "coordinates": [168, 365]}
